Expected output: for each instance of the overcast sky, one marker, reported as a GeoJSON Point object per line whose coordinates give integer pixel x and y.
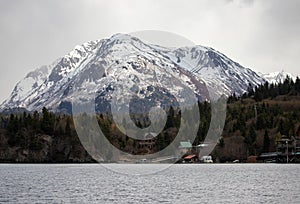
{"type": "Point", "coordinates": [263, 35]}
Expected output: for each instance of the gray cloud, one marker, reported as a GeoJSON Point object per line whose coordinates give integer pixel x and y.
{"type": "Point", "coordinates": [263, 35]}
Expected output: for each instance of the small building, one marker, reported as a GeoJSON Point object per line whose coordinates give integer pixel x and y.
{"type": "Point", "coordinates": [269, 157]}
{"type": "Point", "coordinates": [192, 158]}
{"type": "Point", "coordinates": [288, 150]}
{"type": "Point", "coordinates": [148, 141]}
{"type": "Point", "coordinates": [185, 147]}
{"type": "Point", "coordinates": [287, 145]}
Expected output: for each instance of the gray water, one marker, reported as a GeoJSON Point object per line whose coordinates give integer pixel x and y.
{"type": "Point", "coordinates": [198, 183]}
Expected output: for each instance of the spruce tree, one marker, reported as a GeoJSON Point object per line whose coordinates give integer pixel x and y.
{"type": "Point", "coordinates": [266, 141]}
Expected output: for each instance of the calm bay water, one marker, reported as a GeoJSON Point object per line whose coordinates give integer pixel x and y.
{"type": "Point", "coordinates": [194, 183]}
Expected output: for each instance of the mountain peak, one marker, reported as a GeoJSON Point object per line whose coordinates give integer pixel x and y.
{"type": "Point", "coordinates": [130, 62]}
{"type": "Point", "coordinates": [277, 76]}
{"type": "Point", "coordinates": [121, 36]}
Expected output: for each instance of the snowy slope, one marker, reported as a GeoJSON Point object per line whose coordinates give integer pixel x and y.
{"type": "Point", "coordinates": [276, 77]}
{"type": "Point", "coordinates": [32, 81]}
{"type": "Point", "coordinates": [36, 84]}
{"type": "Point", "coordinates": [123, 62]}
{"type": "Point", "coordinates": [216, 69]}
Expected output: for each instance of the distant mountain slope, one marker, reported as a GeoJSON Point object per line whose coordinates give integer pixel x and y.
{"type": "Point", "coordinates": [276, 77]}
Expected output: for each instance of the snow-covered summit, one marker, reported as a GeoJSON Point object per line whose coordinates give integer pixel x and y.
{"type": "Point", "coordinates": [104, 65]}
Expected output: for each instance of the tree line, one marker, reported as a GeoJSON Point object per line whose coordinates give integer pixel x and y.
{"type": "Point", "coordinates": [259, 116]}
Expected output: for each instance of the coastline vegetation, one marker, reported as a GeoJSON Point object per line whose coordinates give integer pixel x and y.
{"type": "Point", "coordinates": [254, 121]}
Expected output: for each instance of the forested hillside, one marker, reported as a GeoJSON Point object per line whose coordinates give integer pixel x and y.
{"type": "Point", "coordinates": [253, 122]}
{"type": "Point", "coordinates": [258, 118]}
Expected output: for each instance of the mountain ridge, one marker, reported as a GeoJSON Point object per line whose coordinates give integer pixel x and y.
{"type": "Point", "coordinates": [122, 55]}
{"type": "Point", "coordinates": [277, 77]}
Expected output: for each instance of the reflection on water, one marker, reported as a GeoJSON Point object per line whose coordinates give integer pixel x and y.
{"type": "Point", "coordinates": [199, 183]}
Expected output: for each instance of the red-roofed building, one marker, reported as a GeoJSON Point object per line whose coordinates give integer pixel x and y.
{"type": "Point", "coordinates": [190, 158]}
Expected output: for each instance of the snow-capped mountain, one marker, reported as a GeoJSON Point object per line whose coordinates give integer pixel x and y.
{"type": "Point", "coordinates": [126, 63]}
{"type": "Point", "coordinates": [277, 77]}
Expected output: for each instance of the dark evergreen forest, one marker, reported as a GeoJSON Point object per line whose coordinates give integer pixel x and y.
{"type": "Point", "coordinates": [254, 121]}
